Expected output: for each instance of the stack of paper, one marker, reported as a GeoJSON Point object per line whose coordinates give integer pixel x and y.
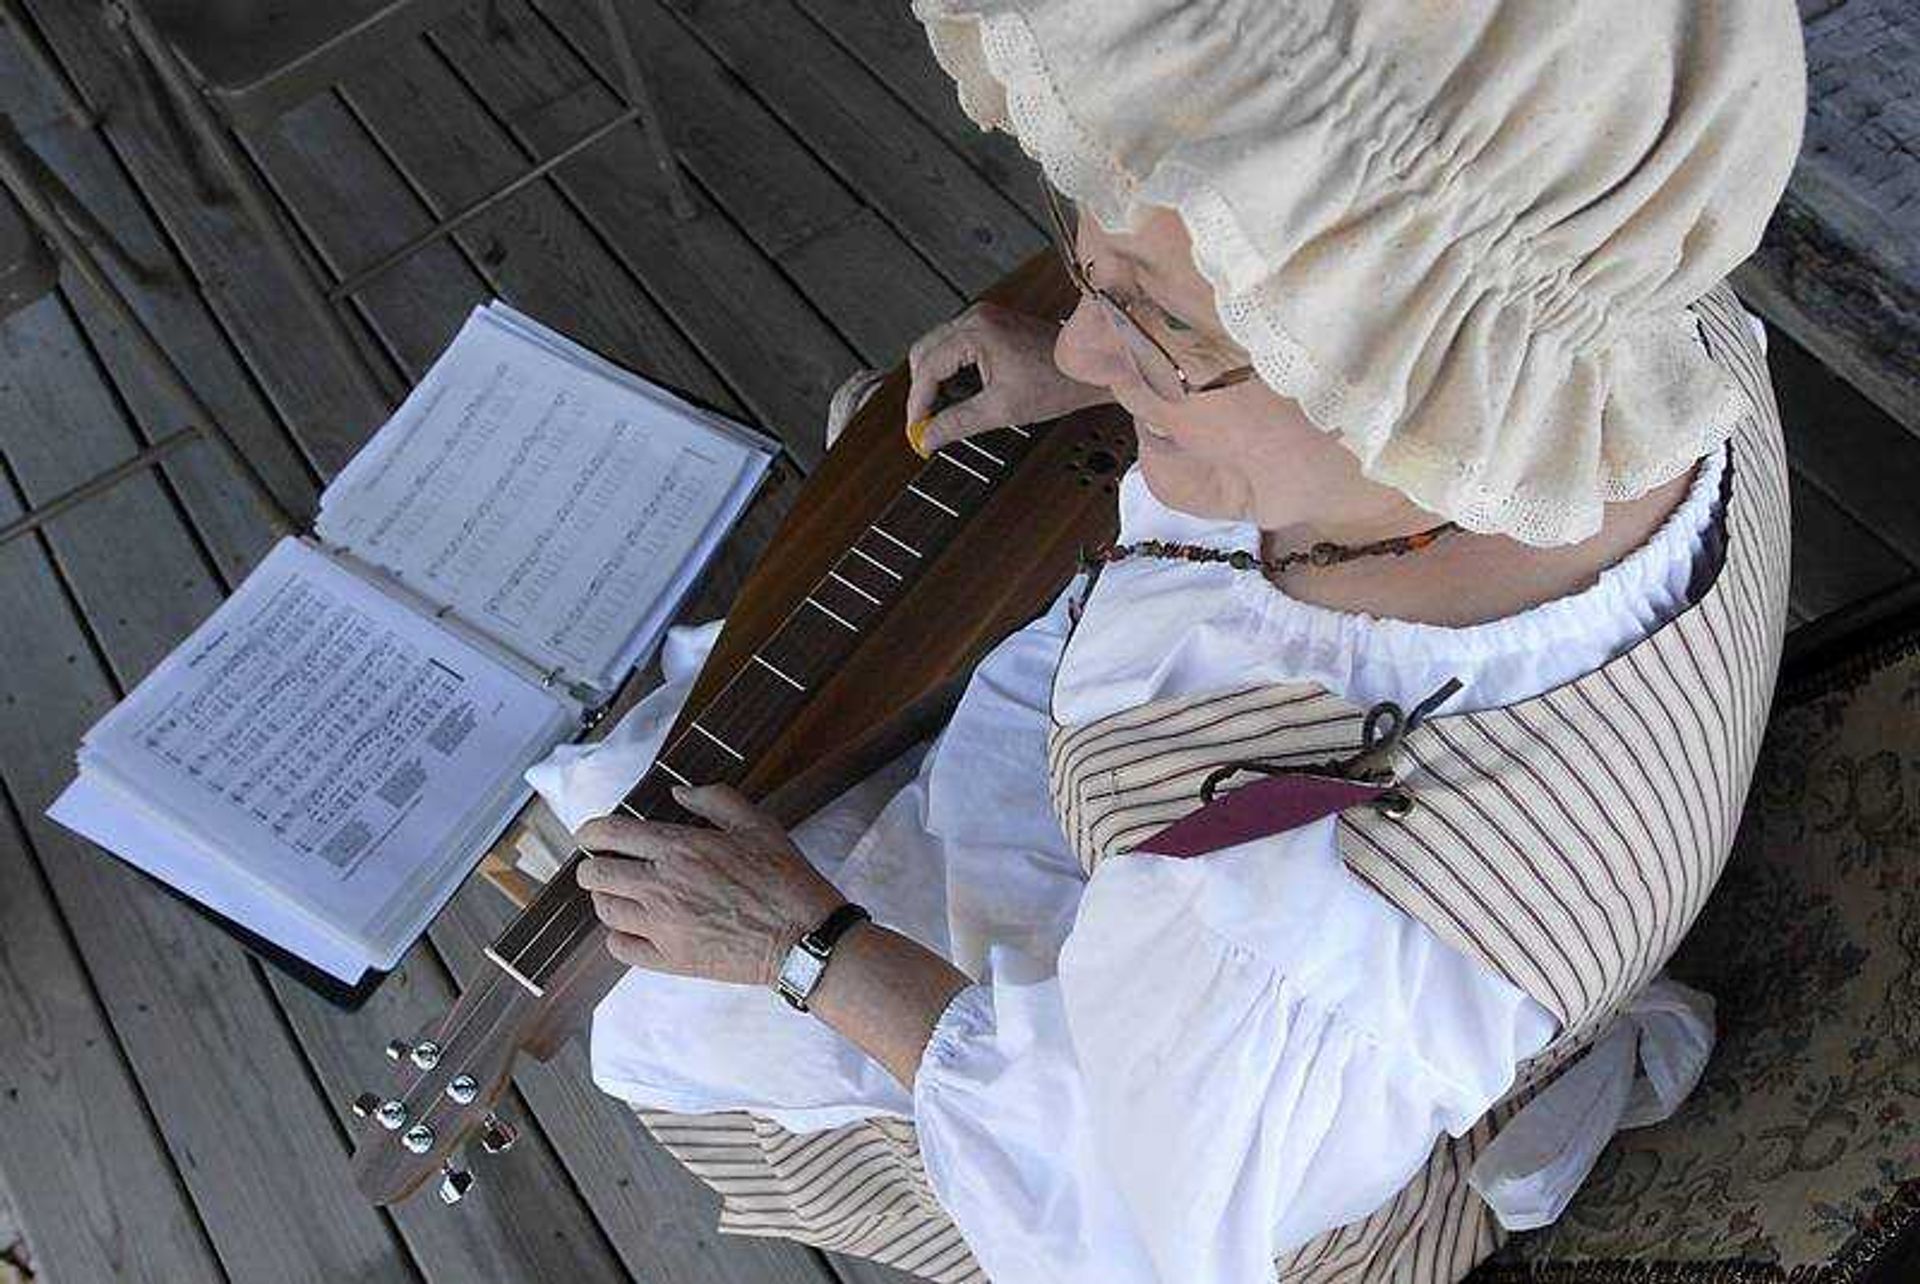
{"type": "Point", "coordinates": [324, 759]}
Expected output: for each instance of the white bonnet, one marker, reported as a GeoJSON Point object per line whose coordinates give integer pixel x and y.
{"type": "Point", "coordinates": [1461, 234]}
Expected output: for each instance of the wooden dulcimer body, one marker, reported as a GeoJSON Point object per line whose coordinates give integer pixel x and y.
{"type": "Point", "coordinates": [890, 579]}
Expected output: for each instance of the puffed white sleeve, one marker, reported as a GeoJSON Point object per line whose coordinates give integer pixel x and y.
{"type": "Point", "coordinates": [1238, 1052]}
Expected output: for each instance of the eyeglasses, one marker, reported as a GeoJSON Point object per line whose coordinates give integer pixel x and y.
{"type": "Point", "coordinates": [1156, 366]}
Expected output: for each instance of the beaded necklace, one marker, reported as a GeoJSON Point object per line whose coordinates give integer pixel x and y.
{"type": "Point", "coordinates": [1324, 553]}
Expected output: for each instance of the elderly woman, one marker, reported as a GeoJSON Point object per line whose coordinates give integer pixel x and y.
{"type": "Point", "coordinates": [1459, 492]}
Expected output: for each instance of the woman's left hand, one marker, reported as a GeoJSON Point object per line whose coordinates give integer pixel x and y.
{"type": "Point", "coordinates": [725, 903]}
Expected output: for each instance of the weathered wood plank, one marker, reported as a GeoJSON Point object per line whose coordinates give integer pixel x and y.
{"type": "Point", "coordinates": [353, 206]}
{"type": "Point", "coordinates": [1836, 560]}
{"type": "Point", "coordinates": [530, 250]}
{"type": "Point", "coordinates": [763, 177]}
{"type": "Point", "coordinates": [64, 426]}
{"type": "Point", "coordinates": [92, 1185]}
{"type": "Point", "coordinates": [721, 131]}
{"type": "Point", "coordinates": [892, 45]}
{"type": "Point", "coordinates": [530, 1226]}
{"type": "Point", "coordinates": [264, 1163]}
{"type": "Point", "coordinates": [630, 1182]}
{"type": "Point", "coordinates": [748, 320]}
{"type": "Point", "coordinates": [1836, 268]}
{"type": "Point", "coordinates": [839, 269]}
{"type": "Point", "coordinates": [325, 405]}
{"type": "Point", "coordinates": [522, 1220]}
{"type": "Point", "coordinates": [538, 1228]}
{"type": "Point", "coordinates": [414, 326]}
{"type": "Point", "coordinates": [969, 232]}
{"type": "Point", "coordinates": [179, 320]}
{"type": "Point", "coordinates": [1864, 461]}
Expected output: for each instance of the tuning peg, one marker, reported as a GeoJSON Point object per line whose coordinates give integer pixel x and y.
{"type": "Point", "coordinates": [497, 1136]}
{"type": "Point", "coordinates": [392, 1115]}
{"type": "Point", "coordinates": [462, 1089]}
{"type": "Point", "coordinates": [365, 1104]}
{"type": "Point", "coordinates": [454, 1183]}
{"type": "Point", "coordinates": [425, 1054]}
{"type": "Point", "coordinates": [418, 1139]}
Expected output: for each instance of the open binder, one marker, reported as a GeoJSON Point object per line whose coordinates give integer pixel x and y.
{"type": "Point", "coordinates": [321, 763]}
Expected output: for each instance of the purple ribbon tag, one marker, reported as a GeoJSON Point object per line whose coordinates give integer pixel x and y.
{"type": "Point", "coordinates": [1269, 805]}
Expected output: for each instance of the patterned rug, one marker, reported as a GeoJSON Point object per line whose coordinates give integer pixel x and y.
{"type": "Point", "coordinates": [1797, 1160]}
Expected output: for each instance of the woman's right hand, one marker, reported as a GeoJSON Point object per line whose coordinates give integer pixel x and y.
{"type": "Point", "coordinates": [1020, 384]}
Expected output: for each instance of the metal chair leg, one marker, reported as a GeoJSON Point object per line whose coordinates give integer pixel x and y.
{"type": "Point", "coordinates": [638, 95]}
{"type": "Point", "coordinates": [82, 220]}
{"type": "Point", "coordinates": [349, 286]}
{"type": "Point", "coordinates": [255, 201]}
{"type": "Point", "coordinates": [166, 112]}
{"type": "Point", "coordinates": [638, 107]}
{"type": "Point", "coordinates": [20, 174]}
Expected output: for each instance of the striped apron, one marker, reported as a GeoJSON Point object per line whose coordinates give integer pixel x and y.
{"type": "Point", "coordinates": [1567, 841]}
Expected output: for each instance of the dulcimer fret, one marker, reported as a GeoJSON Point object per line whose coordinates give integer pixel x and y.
{"type": "Point", "coordinates": [764, 695]}
{"type": "Point", "coordinates": [815, 682]}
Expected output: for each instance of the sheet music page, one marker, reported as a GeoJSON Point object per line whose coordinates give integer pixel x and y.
{"type": "Point", "coordinates": [334, 746]}
{"type": "Point", "coordinates": [550, 504]}
{"type": "Point", "coordinates": [93, 805]}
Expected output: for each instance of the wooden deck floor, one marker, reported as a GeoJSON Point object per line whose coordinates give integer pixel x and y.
{"type": "Point", "coordinates": [169, 1109]}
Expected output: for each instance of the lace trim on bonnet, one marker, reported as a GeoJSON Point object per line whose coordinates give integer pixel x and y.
{"type": "Point", "coordinates": [1531, 358]}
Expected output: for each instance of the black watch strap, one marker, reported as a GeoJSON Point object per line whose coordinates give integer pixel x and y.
{"type": "Point", "coordinates": [820, 940]}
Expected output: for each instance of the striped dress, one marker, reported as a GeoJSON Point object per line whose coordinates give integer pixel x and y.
{"type": "Point", "coordinates": [1566, 841]}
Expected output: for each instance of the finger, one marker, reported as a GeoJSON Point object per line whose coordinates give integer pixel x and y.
{"type": "Point", "coordinates": [725, 806]}
{"type": "Point", "coordinates": [621, 835]}
{"type": "Point", "coordinates": [621, 913]}
{"type": "Point", "coordinates": [936, 365]}
{"type": "Point", "coordinates": [636, 951]}
{"type": "Point", "coordinates": [919, 348]}
{"type": "Point", "coordinates": [619, 875]}
{"type": "Point", "coordinates": [966, 320]}
{"type": "Point", "coordinates": [962, 419]}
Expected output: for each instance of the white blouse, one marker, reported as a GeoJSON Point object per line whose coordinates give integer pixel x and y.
{"type": "Point", "coordinates": [1178, 1069]}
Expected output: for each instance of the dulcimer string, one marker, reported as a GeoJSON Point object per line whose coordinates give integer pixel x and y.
{"type": "Point", "coordinates": [944, 494]}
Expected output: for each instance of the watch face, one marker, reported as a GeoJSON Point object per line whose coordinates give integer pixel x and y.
{"type": "Point", "coordinates": [801, 970]}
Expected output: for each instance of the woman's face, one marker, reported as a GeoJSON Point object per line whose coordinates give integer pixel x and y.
{"type": "Point", "coordinates": [1242, 452]}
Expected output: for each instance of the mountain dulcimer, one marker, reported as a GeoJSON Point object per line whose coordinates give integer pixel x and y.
{"type": "Point", "coordinates": [889, 580]}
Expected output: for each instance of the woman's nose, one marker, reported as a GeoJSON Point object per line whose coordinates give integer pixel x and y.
{"type": "Point", "coordinates": [1088, 350]}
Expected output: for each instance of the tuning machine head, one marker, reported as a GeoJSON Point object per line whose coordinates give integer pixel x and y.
{"type": "Point", "coordinates": [445, 1079]}
{"type": "Point", "coordinates": [454, 1183]}
{"type": "Point", "coordinates": [497, 1136]}
{"type": "Point", "coordinates": [387, 1112]}
{"type": "Point", "coordinates": [424, 1054]}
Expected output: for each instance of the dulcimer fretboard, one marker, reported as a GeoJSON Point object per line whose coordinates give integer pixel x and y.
{"type": "Point", "coordinates": [765, 693]}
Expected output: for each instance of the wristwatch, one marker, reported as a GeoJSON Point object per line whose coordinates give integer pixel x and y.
{"type": "Point", "coordinates": [800, 972]}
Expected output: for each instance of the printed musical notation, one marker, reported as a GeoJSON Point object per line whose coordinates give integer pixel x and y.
{"type": "Point", "coordinates": [546, 511]}
{"type": "Point", "coordinates": [314, 720]}
{"type": "Point", "coordinates": [322, 760]}
{"type": "Point", "coordinates": [319, 726]}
